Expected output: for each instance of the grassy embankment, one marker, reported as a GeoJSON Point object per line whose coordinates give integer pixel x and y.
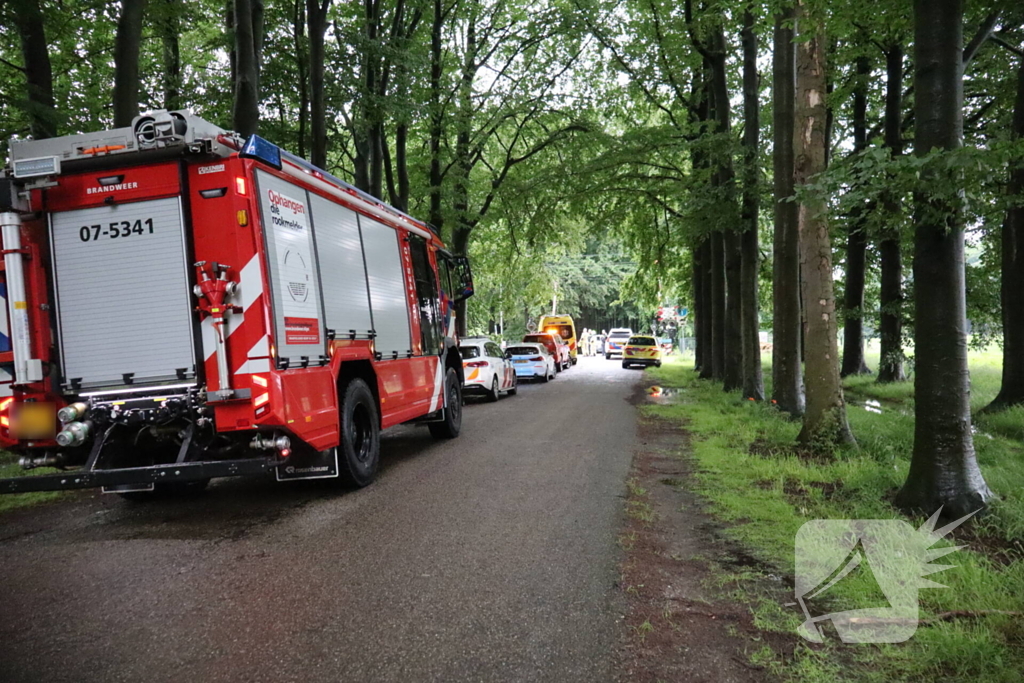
{"type": "Point", "coordinates": [764, 491]}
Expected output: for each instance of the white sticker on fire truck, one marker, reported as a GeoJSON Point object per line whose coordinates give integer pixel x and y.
{"type": "Point", "coordinates": [294, 273]}
{"type": "Point", "coordinates": [214, 168]}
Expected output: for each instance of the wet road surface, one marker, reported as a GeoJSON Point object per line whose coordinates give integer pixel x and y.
{"type": "Point", "coordinates": [492, 557]}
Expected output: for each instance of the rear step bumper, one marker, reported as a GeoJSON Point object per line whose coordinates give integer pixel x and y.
{"type": "Point", "coordinates": [157, 474]}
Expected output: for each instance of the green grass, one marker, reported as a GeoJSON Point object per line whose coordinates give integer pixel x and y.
{"type": "Point", "coordinates": [766, 493]}
{"type": "Point", "coordinates": [9, 467]}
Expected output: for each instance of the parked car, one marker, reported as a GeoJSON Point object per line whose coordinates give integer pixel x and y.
{"type": "Point", "coordinates": [555, 346]}
{"type": "Point", "coordinates": [617, 339]}
{"type": "Point", "coordinates": [488, 371]}
{"type": "Point", "coordinates": [532, 361]}
{"type": "Point", "coordinates": [641, 350]}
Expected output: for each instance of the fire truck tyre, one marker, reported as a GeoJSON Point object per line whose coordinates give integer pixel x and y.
{"type": "Point", "coordinates": [451, 425]}
{"type": "Point", "coordinates": [494, 393]}
{"type": "Point", "coordinates": [359, 456]}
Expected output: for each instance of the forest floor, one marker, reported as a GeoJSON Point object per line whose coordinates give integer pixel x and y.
{"type": "Point", "coordinates": [745, 484]}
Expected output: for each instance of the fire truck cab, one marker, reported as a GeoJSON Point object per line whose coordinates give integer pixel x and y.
{"type": "Point", "coordinates": [184, 304]}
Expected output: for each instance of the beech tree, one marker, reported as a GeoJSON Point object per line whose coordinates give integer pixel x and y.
{"type": "Point", "coordinates": [825, 417]}
{"type": "Point", "coordinates": [787, 368]}
{"type": "Point", "coordinates": [1012, 242]}
{"type": "Point", "coordinates": [943, 469]}
{"type": "Point", "coordinates": [126, 62]}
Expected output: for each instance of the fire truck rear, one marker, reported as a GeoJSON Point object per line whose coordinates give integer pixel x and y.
{"type": "Point", "coordinates": [184, 304]}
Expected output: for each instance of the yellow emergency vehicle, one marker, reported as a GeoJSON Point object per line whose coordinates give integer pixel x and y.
{"type": "Point", "coordinates": [564, 327]}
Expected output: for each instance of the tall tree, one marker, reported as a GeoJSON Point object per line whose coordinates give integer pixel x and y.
{"type": "Point", "coordinates": [170, 29]}
{"type": "Point", "coordinates": [825, 416]}
{"type": "Point", "coordinates": [245, 113]}
{"type": "Point", "coordinates": [856, 240]}
{"type": "Point", "coordinates": [1012, 286]}
{"type": "Point", "coordinates": [787, 369]}
{"type": "Point", "coordinates": [28, 18]}
{"type": "Point", "coordinates": [943, 469]}
{"type": "Point", "coordinates": [890, 364]}
{"type": "Point", "coordinates": [126, 62]}
{"type": "Point", "coordinates": [750, 326]}
{"type": "Point", "coordinates": [316, 16]}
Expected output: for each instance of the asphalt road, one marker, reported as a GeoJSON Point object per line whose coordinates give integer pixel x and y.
{"type": "Point", "coordinates": [492, 557]}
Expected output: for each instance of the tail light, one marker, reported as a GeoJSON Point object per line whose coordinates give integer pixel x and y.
{"type": "Point", "coordinates": [477, 364]}
{"type": "Point", "coordinates": [537, 359]}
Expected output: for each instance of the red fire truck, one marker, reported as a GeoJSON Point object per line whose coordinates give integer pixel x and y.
{"type": "Point", "coordinates": [184, 304]}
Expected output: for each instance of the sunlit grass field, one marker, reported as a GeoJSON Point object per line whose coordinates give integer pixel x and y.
{"type": "Point", "coordinates": [767, 492]}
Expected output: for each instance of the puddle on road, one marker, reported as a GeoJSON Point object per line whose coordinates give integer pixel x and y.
{"type": "Point", "coordinates": [663, 395]}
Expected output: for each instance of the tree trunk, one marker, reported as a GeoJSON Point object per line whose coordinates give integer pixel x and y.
{"type": "Point", "coordinates": [38, 72]}
{"type": "Point", "coordinates": [316, 17]}
{"type": "Point", "coordinates": [170, 28]}
{"type": "Point", "coordinates": [750, 324]}
{"type": "Point", "coordinates": [460, 246]}
{"type": "Point", "coordinates": [723, 176]}
{"type": "Point", "coordinates": [126, 62]}
{"type": "Point", "coordinates": [436, 114]}
{"type": "Point", "coordinates": [943, 470]}
{"type": "Point", "coordinates": [302, 68]}
{"type": "Point", "coordinates": [697, 278]}
{"type": "Point", "coordinates": [717, 271]}
{"type": "Point", "coordinates": [708, 358]}
{"type": "Point", "coordinates": [825, 416]}
{"type": "Point", "coordinates": [890, 328]}
{"type": "Point", "coordinates": [732, 378]}
{"type": "Point", "coordinates": [1012, 390]}
{"type": "Point", "coordinates": [245, 114]}
{"type": "Point", "coordinates": [856, 242]}
{"type": "Point", "coordinates": [787, 370]}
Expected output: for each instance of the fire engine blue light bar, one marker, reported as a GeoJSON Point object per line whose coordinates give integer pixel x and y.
{"type": "Point", "coordinates": [262, 150]}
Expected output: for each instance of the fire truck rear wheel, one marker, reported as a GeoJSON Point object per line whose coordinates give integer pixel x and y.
{"type": "Point", "coordinates": [359, 452]}
{"type": "Point", "coordinates": [450, 427]}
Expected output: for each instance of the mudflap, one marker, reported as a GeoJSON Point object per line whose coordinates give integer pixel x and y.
{"type": "Point", "coordinates": [309, 464]}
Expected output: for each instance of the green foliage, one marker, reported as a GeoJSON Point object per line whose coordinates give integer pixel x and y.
{"type": "Point", "coordinates": [755, 481]}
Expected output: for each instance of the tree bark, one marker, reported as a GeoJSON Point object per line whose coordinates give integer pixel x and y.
{"type": "Point", "coordinates": [170, 28]}
{"type": "Point", "coordinates": [943, 470]}
{"type": "Point", "coordinates": [436, 114]}
{"type": "Point", "coordinates": [825, 417]}
{"type": "Point", "coordinates": [856, 242]}
{"type": "Point", "coordinates": [38, 72]}
{"type": "Point", "coordinates": [708, 363]}
{"type": "Point", "coordinates": [787, 369]}
{"type": "Point", "coordinates": [316, 18]}
{"type": "Point", "coordinates": [126, 62]}
{"type": "Point", "coordinates": [733, 370]}
{"type": "Point", "coordinates": [245, 113]}
{"type": "Point", "coordinates": [723, 176]}
{"type": "Point", "coordinates": [697, 278]}
{"type": "Point", "coordinates": [1012, 390]}
{"type": "Point", "coordinates": [302, 68]}
{"type": "Point", "coordinates": [890, 366]}
{"type": "Point", "coordinates": [750, 324]}
{"type": "Point", "coordinates": [717, 271]}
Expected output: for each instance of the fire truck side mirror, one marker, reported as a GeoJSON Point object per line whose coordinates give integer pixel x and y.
{"type": "Point", "coordinates": [464, 277]}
